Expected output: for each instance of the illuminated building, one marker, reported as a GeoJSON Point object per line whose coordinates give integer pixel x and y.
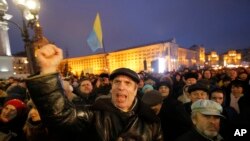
{"type": "Point", "coordinates": [232, 59]}
{"type": "Point", "coordinates": [213, 58]}
{"type": "Point", "coordinates": [187, 57]}
{"type": "Point", "coordinates": [6, 68]}
{"type": "Point", "coordinates": [200, 57]}
{"type": "Point", "coordinates": [89, 64]}
{"type": "Point", "coordinates": [134, 58]}
{"type": "Point", "coordinates": [13, 66]}
{"type": "Point", "coordinates": [20, 66]}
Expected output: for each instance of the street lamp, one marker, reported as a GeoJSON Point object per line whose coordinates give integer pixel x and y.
{"type": "Point", "coordinates": [29, 10]}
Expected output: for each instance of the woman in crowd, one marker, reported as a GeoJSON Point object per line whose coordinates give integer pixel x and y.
{"type": "Point", "coordinates": [12, 119]}
{"type": "Point", "coordinates": [175, 121]}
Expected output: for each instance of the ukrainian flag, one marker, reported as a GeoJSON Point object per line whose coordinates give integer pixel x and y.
{"type": "Point", "coordinates": [94, 39]}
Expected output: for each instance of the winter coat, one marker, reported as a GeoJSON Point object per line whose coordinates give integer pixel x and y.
{"type": "Point", "coordinates": [12, 129]}
{"type": "Point", "coordinates": [194, 135]}
{"type": "Point", "coordinates": [35, 131]}
{"type": "Point", "coordinates": [174, 119]}
{"type": "Point", "coordinates": [84, 99]}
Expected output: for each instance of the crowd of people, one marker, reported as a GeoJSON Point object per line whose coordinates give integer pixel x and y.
{"type": "Point", "coordinates": [185, 105]}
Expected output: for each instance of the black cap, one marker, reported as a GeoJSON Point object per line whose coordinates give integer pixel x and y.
{"type": "Point", "coordinates": [152, 98]}
{"type": "Point", "coordinates": [197, 86]}
{"type": "Point", "coordinates": [125, 71]}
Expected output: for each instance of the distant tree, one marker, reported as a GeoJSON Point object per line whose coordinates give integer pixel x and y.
{"type": "Point", "coordinates": [60, 67]}
{"type": "Point", "coordinates": [65, 69]}
{"type": "Point", "coordinates": [82, 74]}
{"type": "Point", "coordinates": [77, 75]}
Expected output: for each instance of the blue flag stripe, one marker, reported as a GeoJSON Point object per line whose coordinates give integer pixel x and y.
{"type": "Point", "coordinates": [93, 41]}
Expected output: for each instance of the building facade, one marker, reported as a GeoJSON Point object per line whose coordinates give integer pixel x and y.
{"type": "Point", "coordinates": [137, 58]}
{"type": "Point", "coordinates": [13, 66]}
{"type": "Point", "coordinates": [6, 68]}
{"type": "Point", "coordinates": [88, 64]}
{"type": "Point", "coordinates": [232, 59]}
{"type": "Point", "coordinates": [213, 59]}
{"type": "Point", "coordinates": [200, 50]}
{"type": "Point", "coordinates": [20, 66]}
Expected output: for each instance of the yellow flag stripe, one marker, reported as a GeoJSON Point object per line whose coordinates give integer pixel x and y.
{"type": "Point", "coordinates": [98, 28]}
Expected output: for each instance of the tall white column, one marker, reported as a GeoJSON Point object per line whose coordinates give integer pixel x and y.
{"type": "Point", "coordinates": [4, 39]}
{"type": "Point", "coordinates": [4, 36]}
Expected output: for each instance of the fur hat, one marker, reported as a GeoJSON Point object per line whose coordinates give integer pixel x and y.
{"type": "Point", "coordinates": [197, 86]}
{"type": "Point", "coordinates": [191, 75]}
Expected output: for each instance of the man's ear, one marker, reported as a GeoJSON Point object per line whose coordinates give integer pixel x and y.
{"type": "Point", "coordinates": [136, 86]}
{"type": "Point", "coordinates": [194, 120]}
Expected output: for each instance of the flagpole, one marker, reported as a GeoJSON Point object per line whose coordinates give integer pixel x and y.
{"type": "Point", "coordinates": [104, 51]}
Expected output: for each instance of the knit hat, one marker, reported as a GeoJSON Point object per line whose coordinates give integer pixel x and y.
{"type": "Point", "coordinates": [17, 90]}
{"type": "Point", "coordinates": [125, 71]}
{"type": "Point", "coordinates": [147, 86]}
{"type": "Point", "coordinates": [152, 98]}
{"type": "Point", "coordinates": [163, 83]}
{"type": "Point", "coordinates": [18, 104]}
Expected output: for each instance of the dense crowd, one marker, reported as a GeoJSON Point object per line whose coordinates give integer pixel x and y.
{"type": "Point", "coordinates": [187, 105]}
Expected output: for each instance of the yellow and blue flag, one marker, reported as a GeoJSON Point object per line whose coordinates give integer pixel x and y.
{"type": "Point", "coordinates": [94, 39]}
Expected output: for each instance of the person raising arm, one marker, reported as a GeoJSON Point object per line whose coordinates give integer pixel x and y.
{"type": "Point", "coordinates": [119, 117]}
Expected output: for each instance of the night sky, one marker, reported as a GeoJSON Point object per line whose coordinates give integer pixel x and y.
{"type": "Point", "coordinates": [216, 24]}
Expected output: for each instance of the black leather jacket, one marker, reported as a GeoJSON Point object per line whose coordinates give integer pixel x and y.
{"type": "Point", "coordinates": [108, 122]}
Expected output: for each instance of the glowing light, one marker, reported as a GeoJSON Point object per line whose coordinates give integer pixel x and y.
{"type": "Point", "coordinates": [19, 2]}
{"type": "Point", "coordinates": [4, 70]}
{"type": "Point", "coordinates": [162, 65]}
{"type": "Point", "coordinates": [33, 4]}
{"type": "Point", "coordinates": [26, 62]}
